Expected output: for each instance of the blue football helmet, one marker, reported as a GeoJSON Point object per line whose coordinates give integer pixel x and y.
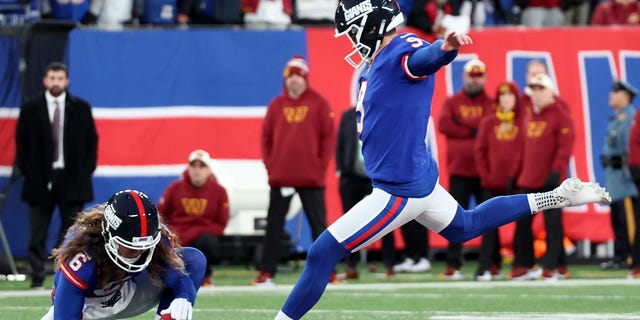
{"type": "Point", "coordinates": [131, 221]}
{"type": "Point", "coordinates": [366, 22]}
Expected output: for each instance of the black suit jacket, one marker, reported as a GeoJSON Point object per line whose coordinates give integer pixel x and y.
{"type": "Point", "coordinates": [347, 144]}
{"type": "Point", "coordinates": [34, 150]}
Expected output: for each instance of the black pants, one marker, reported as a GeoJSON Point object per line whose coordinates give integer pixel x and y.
{"type": "Point", "coordinates": [352, 190]}
{"type": "Point", "coordinates": [625, 213]}
{"type": "Point", "coordinates": [39, 220]}
{"type": "Point", "coordinates": [523, 240]}
{"type": "Point", "coordinates": [490, 247]}
{"type": "Point", "coordinates": [388, 250]}
{"type": "Point", "coordinates": [416, 243]}
{"type": "Point", "coordinates": [314, 207]}
{"type": "Point", "coordinates": [555, 255]}
{"type": "Point", "coordinates": [523, 243]}
{"type": "Point", "coordinates": [209, 245]}
{"type": "Point", "coordinates": [461, 188]}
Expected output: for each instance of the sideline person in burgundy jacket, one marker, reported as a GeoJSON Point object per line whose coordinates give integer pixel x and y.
{"type": "Point", "coordinates": [498, 151]}
{"type": "Point", "coordinates": [196, 207]}
{"type": "Point", "coordinates": [459, 120]}
{"type": "Point", "coordinates": [298, 140]}
{"type": "Point", "coordinates": [548, 145]}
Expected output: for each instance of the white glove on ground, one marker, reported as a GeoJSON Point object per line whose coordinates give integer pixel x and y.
{"type": "Point", "coordinates": [180, 309]}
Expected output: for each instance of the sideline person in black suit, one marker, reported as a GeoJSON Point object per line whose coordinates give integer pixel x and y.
{"type": "Point", "coordinates": [56, 151]}
{"type": "Point", "coordinates": [354, 182]}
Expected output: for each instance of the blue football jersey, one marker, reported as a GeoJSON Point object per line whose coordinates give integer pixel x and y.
{"type": "Point", "coordinates": [77, 293]}
{"type": "Point", "coordinates": [393, 110]}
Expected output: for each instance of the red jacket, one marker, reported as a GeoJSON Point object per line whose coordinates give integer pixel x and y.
{"type": "Point", "coordinates": [634, 142]}
{"type": "Point", "coordinates": [459, 120]}
{"type": "Point", "coordinates": [611, 12]}
{"type": "Point", "coordinates": [548, 144]}
{"type": "Point", "coordinates": [298, 140]}
{"type": "Point", "coordinates": [498, 153]}
{"type": "Point", "coordinates": [191, 211]}
{"type": "Point", "coordinates": [543, 4]}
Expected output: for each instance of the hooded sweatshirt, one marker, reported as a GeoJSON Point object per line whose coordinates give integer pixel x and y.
{"type": "Point", "coordinates": [298, 140]}
{"type": "Point", "coordinates": [191, 211]}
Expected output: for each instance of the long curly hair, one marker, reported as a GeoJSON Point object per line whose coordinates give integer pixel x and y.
{"type": "Point", "coordinates": [85, 236]}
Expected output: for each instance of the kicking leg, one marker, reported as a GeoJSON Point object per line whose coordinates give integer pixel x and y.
{"type": "Point", "coordinates": [468, 224]}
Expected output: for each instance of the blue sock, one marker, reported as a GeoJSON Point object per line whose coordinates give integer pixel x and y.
{"type": "Point", "coordinates": [468, 224]}
{"type": "Point", "coordinates": [322, 258]}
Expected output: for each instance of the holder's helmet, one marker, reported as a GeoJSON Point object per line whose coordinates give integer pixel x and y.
{"type": "Point", "coordinates": [366, 22]}
{"type": "Point", "coordinates": [131, 221]}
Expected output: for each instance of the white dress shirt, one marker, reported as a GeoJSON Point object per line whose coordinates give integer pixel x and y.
{"type": "Point", "coordinates": [51, 106]}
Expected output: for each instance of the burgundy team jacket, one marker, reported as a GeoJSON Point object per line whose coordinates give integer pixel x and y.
{"type": "Point", "coordinates": [459, 120]}
{"type": "Point", "coordinates": [298, 140]}
{"type": "Point", "coordinates": [548, 145]}
{"type": "Point", "coordinates": [498, 152]}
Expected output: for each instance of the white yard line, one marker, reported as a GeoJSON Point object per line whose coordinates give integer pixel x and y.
{"type": "Point", "coordinates": [381, 286]}
{"type": "Point", "coordinates": [440, 315]}
{"type": "Point", "coordinates": [431, 315]}
{"type": "Point", "coordinates": [443, 315]}
{"type": "Point", "coordinates": [510, 295]}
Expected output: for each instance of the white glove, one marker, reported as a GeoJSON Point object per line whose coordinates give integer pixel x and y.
{"type": "Point", "coordinates": [180, 309]}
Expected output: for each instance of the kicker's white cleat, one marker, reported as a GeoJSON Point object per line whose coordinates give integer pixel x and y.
{"type": "Point", "coordinates": [573, 192]}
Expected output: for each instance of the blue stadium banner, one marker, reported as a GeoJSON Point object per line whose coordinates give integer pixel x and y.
{"type": "Point", "coordinates": [10, 92]}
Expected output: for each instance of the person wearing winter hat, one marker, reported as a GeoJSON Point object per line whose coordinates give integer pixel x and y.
{"type": "Point", "coordinates": [296, 77]}
{"type": "Point", "coordinates": [459, 120]}
{"type": "Point", "coordinates": [196, 207]}
{"type": "Point", "coordinates": [497, 152]}
{"type": "Point", "coordinates": [298, 140]}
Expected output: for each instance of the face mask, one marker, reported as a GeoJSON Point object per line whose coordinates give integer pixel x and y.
{"type": "Point", "coordinates": [131, 260]}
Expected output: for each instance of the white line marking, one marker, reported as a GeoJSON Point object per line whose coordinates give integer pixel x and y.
{"type": "Point", "coordinates": [136, 113]}
{"type": "Point", "coordinates": [432, 315]}
{"type": "Point", "coordinates": [213, 290]}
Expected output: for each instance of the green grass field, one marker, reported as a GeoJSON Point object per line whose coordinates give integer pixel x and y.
{"type": "Point", "coordinates": [590, 294]}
